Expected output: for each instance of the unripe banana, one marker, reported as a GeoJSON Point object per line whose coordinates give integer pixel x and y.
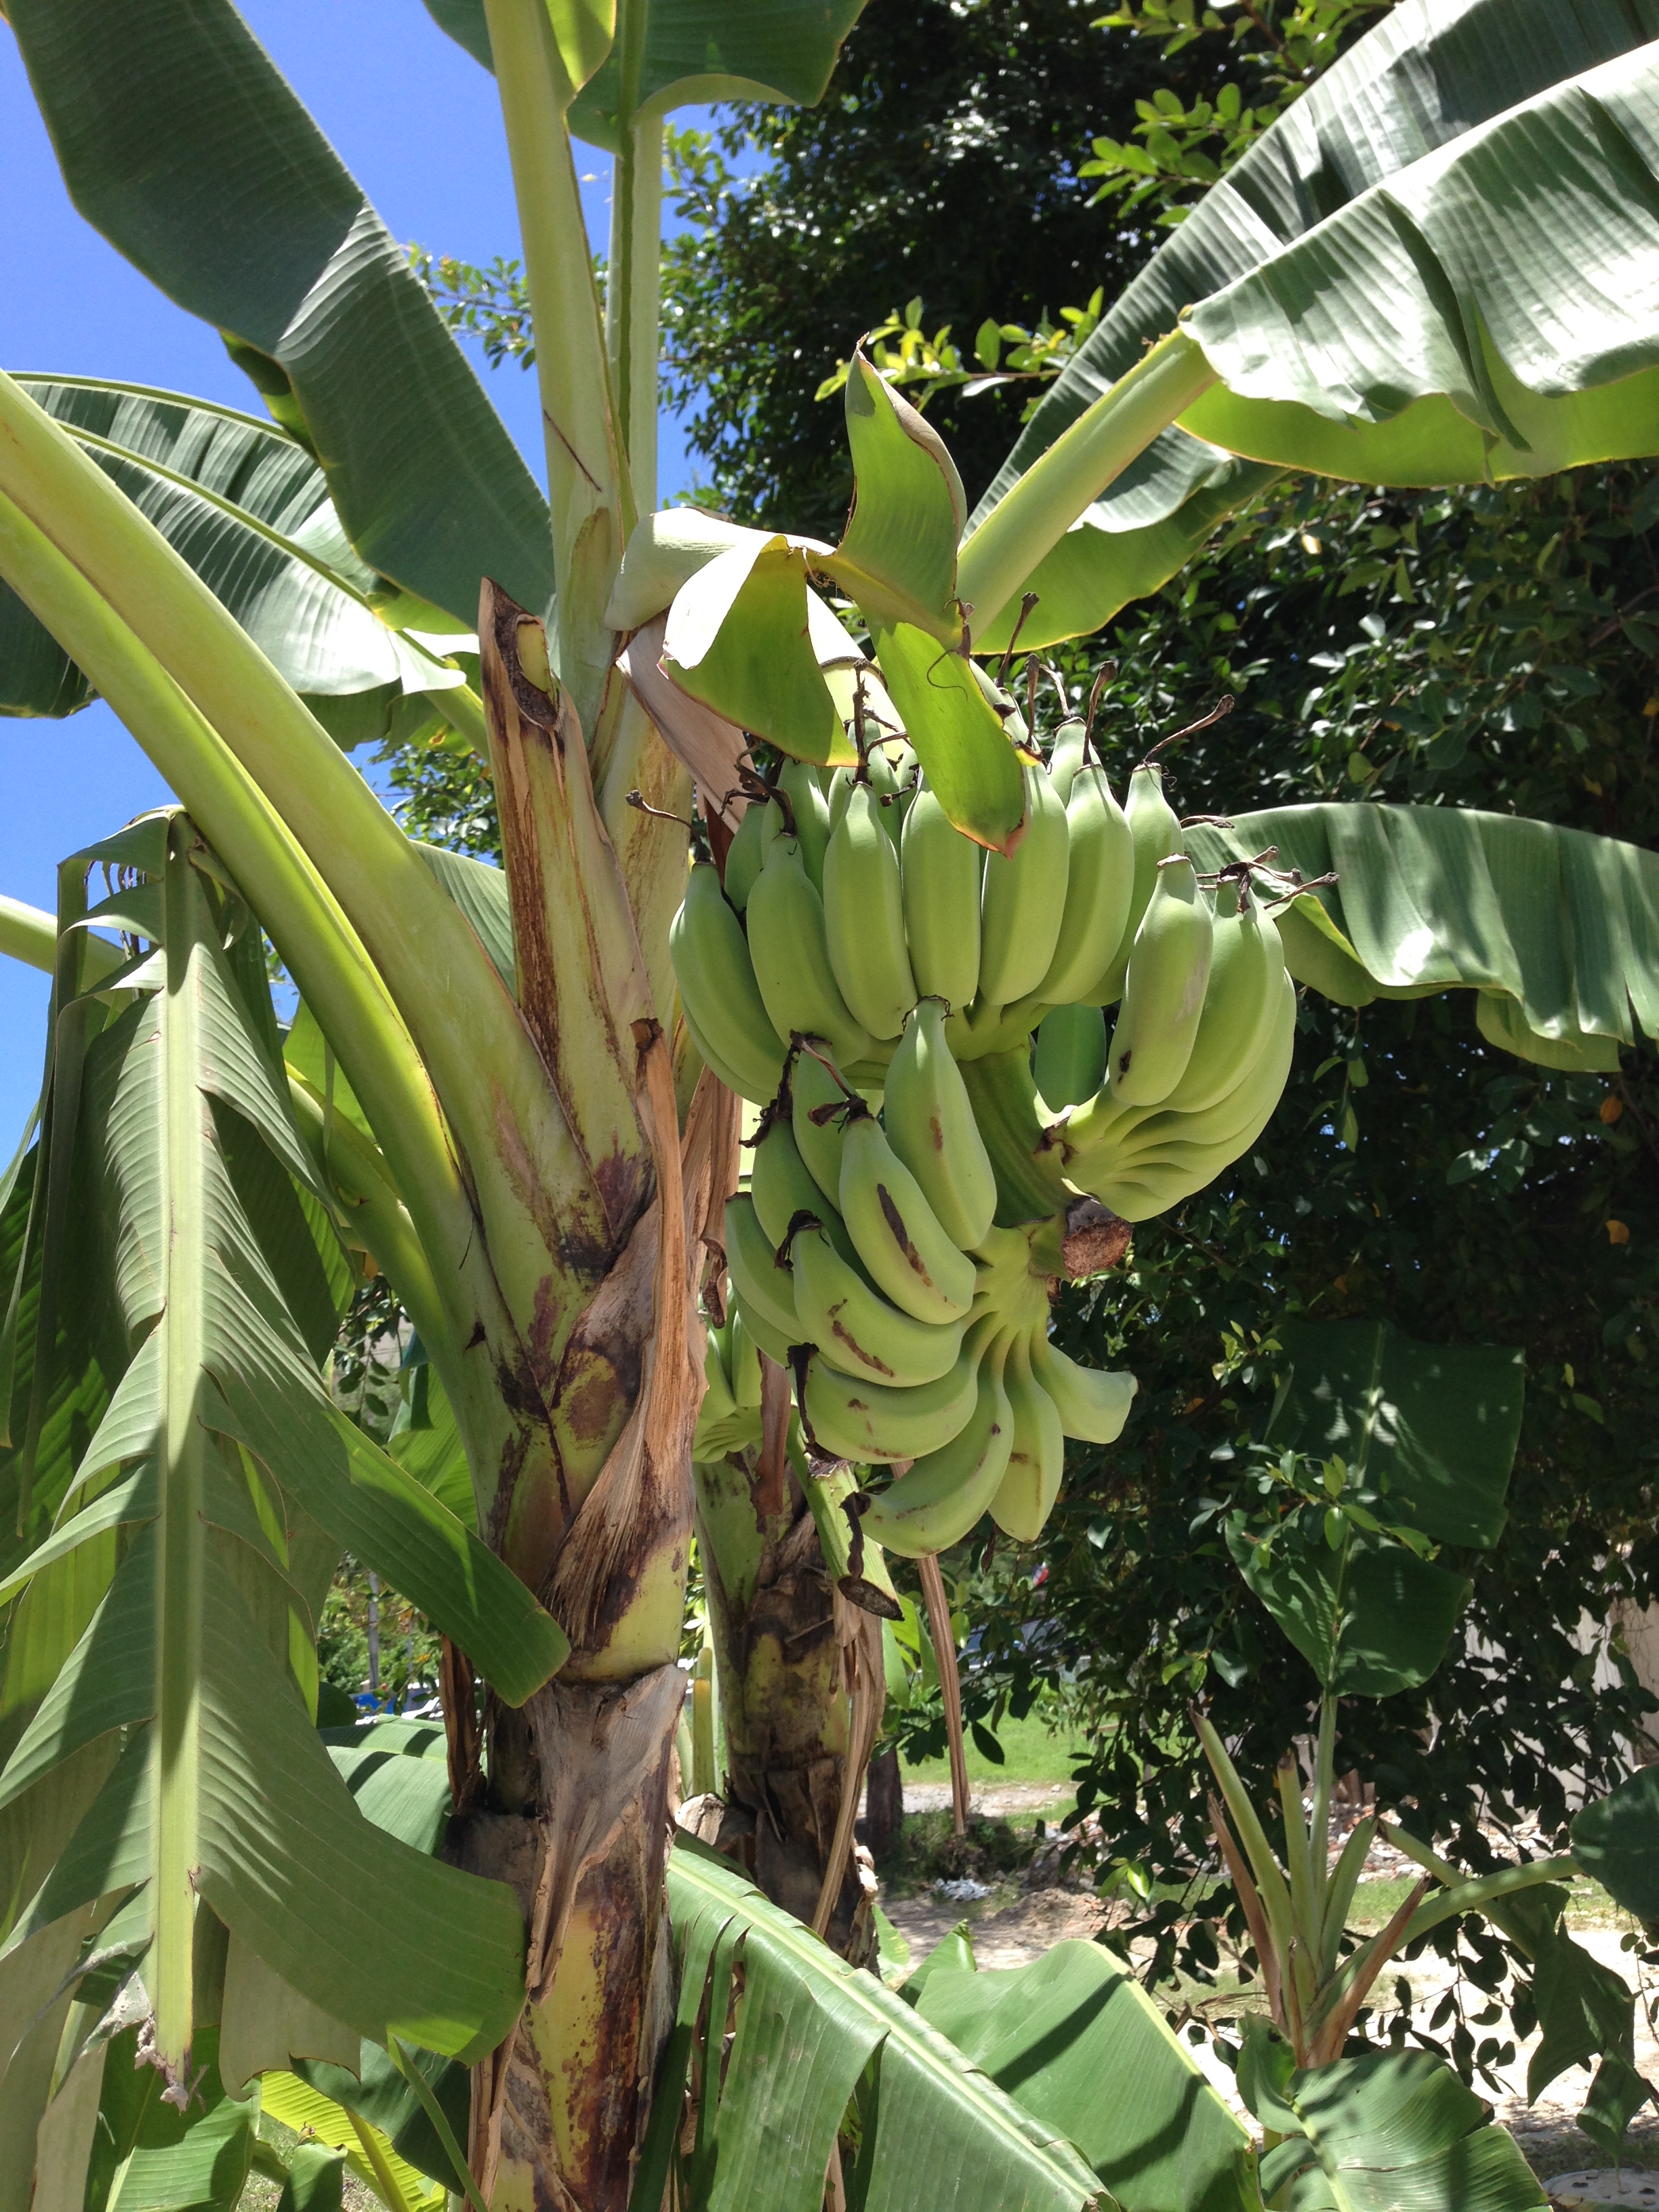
{"type": "Point", "coordinates": [1093, 1403]}
{"type": "Point", "coordinates": [1036, 1458]}
{"type": "Point", "coordinates": [1070, 1065]}
{"type": "Point", "coordinates": [941, 870]}
{"type": "Point", "coordinates": [1240, 1003]}
{"type": "Point", "coordinates": [798, 782]}
{"type": "Point", "coordinates": [745, 1367]}
{"type": "Point", "coordinates": [855, 1329]}
{"type": "Point", "coordinates": [1164, 992]}
{"type": "Point", "coordinates": [763, 819]}
{"type": "Point", "coordinates": [724, 1009]}
{"type": "Point", "coordinates": [871, 1421]}
{"type": "Point", "coordinates": [782, 1186]}
{"type": "Point", "coordinates": [896, 1233]}
{"type": "Point", "coordinates": [864, 918]}
{"type": "Point", "coordinates": [1065, 757]}
{"type": "Point", "coordinates": [944, 1494]}
{"type": "Point", "coordinates": [717, 1399]}
{"type": "Point", "coordinates": [819, 1122]}
{"type": "Point", "coordinates": [775, 1343]}
{"type": "Point", "coordinates": [791, 956]}
{"type": "Point", "coordinates": [722, 1425]}
{"type": "Point", "coordinates": [1024, 899]}
{"type": "Point", "coordinates": [878, 774]}
{"type": "Point", "coordinates": [765, 1291]}
{"type": "Point", "coordinates": [1154, 832]}
{"type": "Point", "coordinates": [1099, 885]}
{"type": "Point", "coordinates": [930, 1125]}
{"type": "Point", "coordinates": [1003, 1098]}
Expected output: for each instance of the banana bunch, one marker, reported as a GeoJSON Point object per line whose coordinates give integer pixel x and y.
{"type": "Point", "coordinates": [1200, 1054]}
{"type": "Point", "coordinates": [864, 1256]}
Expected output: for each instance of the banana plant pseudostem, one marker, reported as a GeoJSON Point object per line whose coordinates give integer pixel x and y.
{"type": "Point", "coordinates": [488, 1089]}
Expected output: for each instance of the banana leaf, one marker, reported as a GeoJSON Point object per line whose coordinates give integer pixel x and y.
{"type": "Point", "coordinates": [182, 143]}
{"type": "Point", "coordinates": [1387, 2129]}
{"type": "Point", "coordinates": [694, 53]}
{"type": "Point", "coordinates": [1427, 1437]}
{"type": "Point", "coordinates": [1076, 2040]}
{"type": "Point", "coordinates": [1557, 930]}
{"type": "Point", "coordinates": [248, 506]}
{"type": "Point", "coordinates": [1435, 267]}
{"type": "Point", "coordinates": [814, 2037]}
{"type": "Point", "coordinates": [199, 1500]}
{"type": "Point", "coordinates": [1435, 1426]}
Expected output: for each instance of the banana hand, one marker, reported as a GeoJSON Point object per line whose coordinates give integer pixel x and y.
{"type": "Point", "coordinates": [944, 1494]}
{"type": "Point", "coordinates": [855, 1329]}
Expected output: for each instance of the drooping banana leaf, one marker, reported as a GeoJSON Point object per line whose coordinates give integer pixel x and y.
{"type": "Point", "coordinates": [1436, 266]}
{"type": "Point", "coordinates": [812, 2033]}
{"type": "Point", "coordinates": [1558, 930]}
{"type": "Point", "coordinates": [248, 506]}
{"type": "Point", "coordinates": [182, 143]}
{"type": "Point", "coordinates": [218, 1457]}
{"type": "Point", "coordinates": [694, 53]}
{"type": "Point", "coordinates": [1076, 2040]}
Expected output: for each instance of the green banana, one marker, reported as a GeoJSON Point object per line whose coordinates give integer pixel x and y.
{"type": "Point", "coordinates": [766, 1291]}
{"type": "Point", "coordinates": [1003, 1097]}
{"type": "Point", "coordinates": [781, 1185]}
{"type": "Point", "coordinates": [941, 872]}
{"type": "Point", "coordinates": [905, 1250]}
{"type": "Point", "coordinates": [947, 1491]}
{"type": "Point", "coordinates": [871, 1421]}
{"type": "Point", "coordinates": [1016, 1271]}
{"type": "Point", "coordinates": [1070, 1055]}
{"type": "Point", "coordinates": [798, 782]}
{"type": "Point", "coordinates": [763, 819]}
{"type": "Point", "coordinates": [791, 956]}
{"type": "Point", "coordinates": [1024, 899]}
{"type": "Point", "coordinates": [855, 1329]}
{"type": "Point", "coordinates": [745, 1367]}
{"type": "Point", "coordinates": [1155, 833]}
{"type": "Point", "coordinates": [930, 1125]}
{"type": "Point", "coordinates": [1036, 1457]}
{"type": "Point", "coordinates": [864, 918]}
{"type": "Point", "coordinates": [1065, 756]}
{"type": "Point", "coordinates": [1093, 1403]}
{"type": "Point", "coordinates": [814, 1090]}
{"type": "Point", "coordinates": [1240, 1002]}
{"type": "Point", "coordinates": [1099, 886]}
{"type": "Point", "coordinates": [722, 1002]}
{"type": "Point", "coordinates": [1164, 992]}
{"type": "Point", "coordinates": [774, 1342]}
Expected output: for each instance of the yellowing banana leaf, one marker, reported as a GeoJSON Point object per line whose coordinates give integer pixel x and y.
{"type": "Point", "coordinates": [307, 2110]}
{"type": "Point", "coordinates": [1557, 929]}
{"type": "Point", "coordinates": [1436, 1426]}
{"type": "Point", "coordinates": [812, 2033]}
{"type": "Point", "coordinates": [248, 506]}
{"type": "Point", "coordinates": [182, 143]}
{"type": "Point", "coordinates": [1390, 2129]}
{"type": "Point", "coordinates": [695, 52]}
{"type": "Point", "coordinates": [1435, 267]}
{"type": "Point", "coordinates": [1075, 2040]}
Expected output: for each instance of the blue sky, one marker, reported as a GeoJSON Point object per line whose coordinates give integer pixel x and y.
{"type": "Point", "coordinates": [417, 123]}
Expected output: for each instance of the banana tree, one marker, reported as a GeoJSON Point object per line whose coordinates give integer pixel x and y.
{"type": "Point", "coordinates": [488, 1089]}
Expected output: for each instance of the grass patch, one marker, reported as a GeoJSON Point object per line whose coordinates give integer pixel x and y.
{"type": "Point", "coordinates": [1031, 1752]}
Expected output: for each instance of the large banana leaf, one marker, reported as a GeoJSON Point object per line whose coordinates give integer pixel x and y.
{"type": "Point", "coordinates": [812, 2036]}
{"type": "Point", "coordinates": [1390, 2129]}
{"type": "Point", "coordinates": [1425, 1435]}
{"type": "Point", "coordinates": [248, 506]}
{"type": "Point", "coordinates": [1558, 930]}
{"type": "Point", "coordinates": [694, 50]}
{"type": "Point", "coordinates": [1076, 2040]}
{"type": "Point", "coordinates": [182, 143]}
{"type": "Point", "coordinates": [1438, 266]}
{"type": "Point", "coordinates": [219, 1475]}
